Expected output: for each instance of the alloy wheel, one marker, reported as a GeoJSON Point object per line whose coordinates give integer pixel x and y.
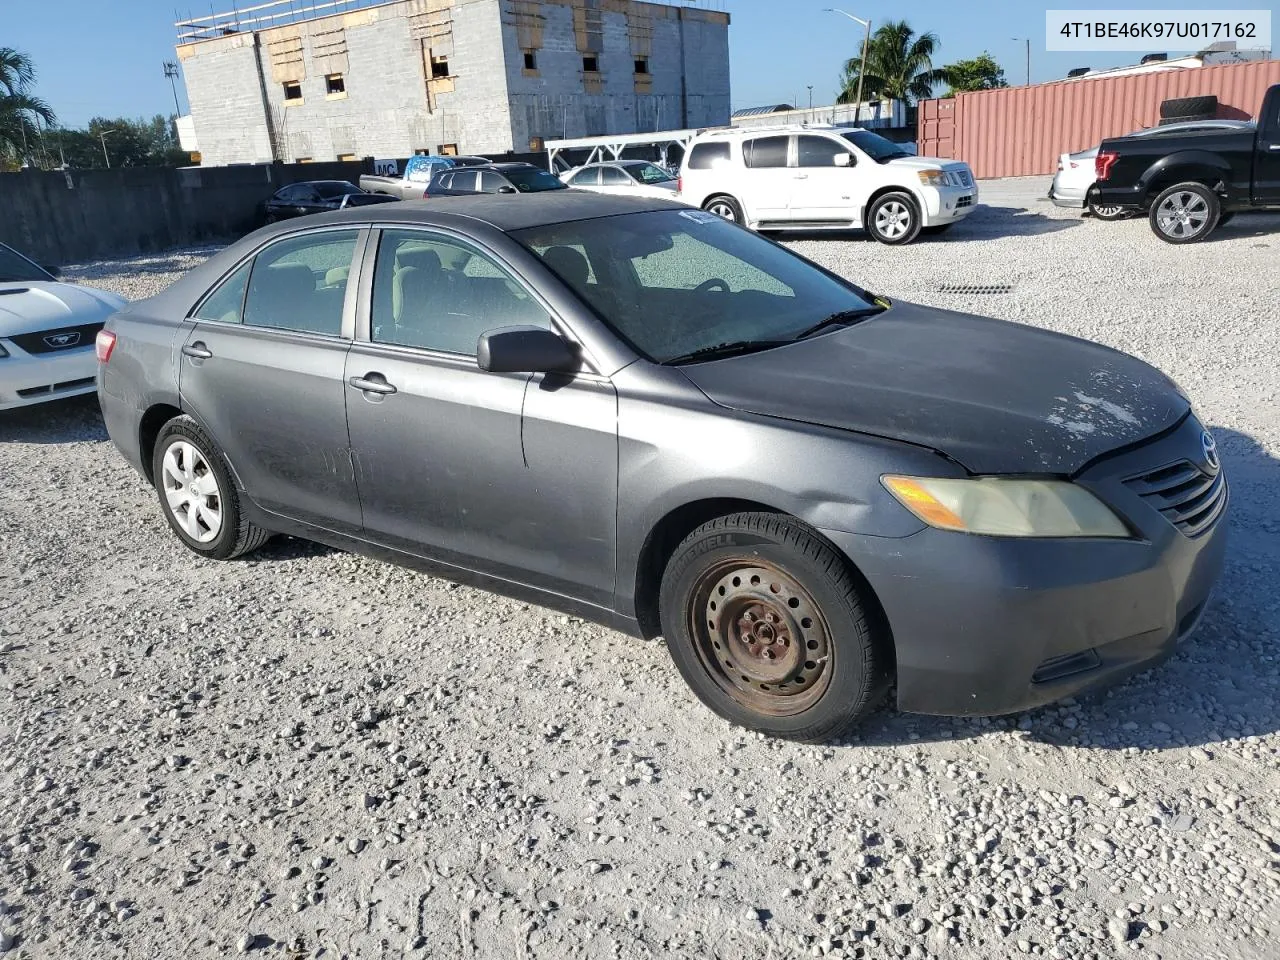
{"type": "Point", "coordinates": [1183, 215]}
{"type": "Point", "coordinates": [893, 219]}
{"type": "Point", "coordinates": [191, 491]}
{"type": "Point", "coordinates": [722, 208]}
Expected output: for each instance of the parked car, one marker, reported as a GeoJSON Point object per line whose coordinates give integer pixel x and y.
{"type": "Point", "coordinates": [1074, 181]}
{"type": "Point", "coordinates": [316, 196]}
{"type": "Point", "coordinates": [493, 178]}
{"type": "Point", "coordinates": [1191, 183]}
{"type": "Point", "coordinates": [825, 178]}
{"type": "Point", "coordinates": [641, 414]}
{"type": "Point", "coordinates": [638, 178]}
{"type": "Point", "coordinates": [418, 171]}
{"type": "Point", "coordinates": [47, 329]}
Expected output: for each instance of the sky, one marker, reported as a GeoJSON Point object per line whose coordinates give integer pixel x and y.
{"type": "Point", "coordinates": [104, 57]}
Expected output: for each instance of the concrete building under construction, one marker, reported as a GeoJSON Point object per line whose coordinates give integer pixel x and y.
{"type": "Point", "coordinates": [342, 79]}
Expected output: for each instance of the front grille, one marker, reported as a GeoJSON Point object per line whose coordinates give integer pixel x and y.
{"type": "Point", "coordinates": [1186, 495]}
{"type": "Point", "coordinates": [76, 337]}
{"type": "Point", "coordinates": [965, 201]}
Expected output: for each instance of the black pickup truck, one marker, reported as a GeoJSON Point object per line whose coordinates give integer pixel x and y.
{"type": "Point", "coordinates": [1190, 184]}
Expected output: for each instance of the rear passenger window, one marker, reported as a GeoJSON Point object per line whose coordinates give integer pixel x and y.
{"type": "Point", "coordinates": [586, 178]}
{"type": "Point", "coordinates": [301, 283]}
{"type": "Point", "coordinates": [707, 156]}
{"type": "Point", "coordinates": [765, 152]}
{"type": "Point", "coordinates": [438, 293]}
{"type": "Point", "coordinates": [613, 177]}
{"type": "Point", "coordinates": [226, 302]}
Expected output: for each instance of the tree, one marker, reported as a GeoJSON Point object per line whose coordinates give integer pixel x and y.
{"type": "Point", "coordinates": [21, 111]}
{"type": "Point", "coordinates": [129, 143]}
{"type": "Point", "coordinates": [899, 66]}
{"type": "Point", "coordinates": [980, 73]}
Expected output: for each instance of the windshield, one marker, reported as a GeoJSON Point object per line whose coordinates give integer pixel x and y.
{"type": "Point", "coordinates": [531, 180]}
{"type": "Point", "coordinates": [336, 188]}
{"type": "Point", "coordinates": [15, 268]}
{"type": "Point", "coordinates": [875, 146]}
{"type": "Point", "coordinates": [649, 173]}
{"type": "Point", "coordinates": [676, 282]}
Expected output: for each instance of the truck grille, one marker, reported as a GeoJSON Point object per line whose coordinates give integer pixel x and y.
{"type": "Point", "coordinates": [1186, 495]}
{"type": "Point", "coordinates": [58, 340]}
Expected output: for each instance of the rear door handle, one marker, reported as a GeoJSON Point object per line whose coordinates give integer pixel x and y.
{"type": "Point", "coordinates": [372, 383]}
{"type": "Point", "coordinates": [197, 350]}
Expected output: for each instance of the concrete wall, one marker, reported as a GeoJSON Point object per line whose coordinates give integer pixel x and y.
{"type": "Point", "coordinates": [82, 215]}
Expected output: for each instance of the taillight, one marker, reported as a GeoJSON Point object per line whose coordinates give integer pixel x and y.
{"type": "Point", "coordinates": [1103, 163]}
{"type": "Point", "coordinates": [103, 344]}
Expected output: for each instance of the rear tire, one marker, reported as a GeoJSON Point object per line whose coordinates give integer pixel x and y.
{"type": "Point", "coordinates": [894, 219]}
{"type": "Point", "coordinates": [1107, 213]}
{"type": "Point", "coordinates": [1185, 213]}
{"type": "Point", "coordinates": [725, 206]}
{"type": "Point", "coordinates": [768, 626]}
{"type": "Point", "coordinates": [197, 494]}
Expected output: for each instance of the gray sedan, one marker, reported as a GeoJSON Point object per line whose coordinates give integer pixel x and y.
{"type": "Point", "coordinates": [647, 416]}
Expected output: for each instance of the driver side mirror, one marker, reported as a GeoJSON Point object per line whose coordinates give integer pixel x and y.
{"type": "Point", "coordinates": [507, 188]}
{"type": "Point", "coordinates": [843, 160]}
{"type": "Point", "coordinates": [525, 350]}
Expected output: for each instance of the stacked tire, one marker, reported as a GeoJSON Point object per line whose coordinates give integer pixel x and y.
{"type": "Point", "coordinates": [1187, 109]}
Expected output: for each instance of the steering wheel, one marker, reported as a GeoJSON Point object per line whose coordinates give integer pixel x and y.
{"type": "Point", "coordinates": [715, 283]}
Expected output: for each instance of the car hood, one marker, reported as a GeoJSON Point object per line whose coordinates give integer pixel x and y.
{"type": "Point", "coordinates": [927, 163]}
{"type": "Point", "coordinates": [32, 306]}
{"type": "Point", "coordinates": [997, 397]}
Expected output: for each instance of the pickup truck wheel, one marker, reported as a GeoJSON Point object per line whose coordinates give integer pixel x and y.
{"type": "Point", "coordinates": [894, 219]}
{"type": "Point", "coordinates": [1185, 213]}
{"type": "Point", "coordinates": [768, 626]}
{"type": "Point", "coordinates": [725, 206]}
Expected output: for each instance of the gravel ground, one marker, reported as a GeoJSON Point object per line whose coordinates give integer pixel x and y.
{"type": "Point", "coordinates": [311, 753]}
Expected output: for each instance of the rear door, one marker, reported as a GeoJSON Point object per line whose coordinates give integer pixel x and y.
{"type": "Point", "coordinates": [262, 369]}
{"type": "Point", "coordinates": [821, 191]}
{"type": "Point", "coordinates": [768, 181]}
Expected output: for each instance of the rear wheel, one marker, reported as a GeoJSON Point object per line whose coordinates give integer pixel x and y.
{"type": "Point", "coordinates": [1185, 213]}
{"type": "Point", "coordinates": [725, 206]}
{"type": "Point", "coordinates": [197, 494]}
{"type": "Point", "coordinates": [768, 626]}
{"type": "Point", "coordinates": [1106, 212]}
{"type": "Point", "coordinates": [893, 219]}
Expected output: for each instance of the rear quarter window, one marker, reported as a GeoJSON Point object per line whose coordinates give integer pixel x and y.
{"type": "Point", "coordinates": [707, 156]}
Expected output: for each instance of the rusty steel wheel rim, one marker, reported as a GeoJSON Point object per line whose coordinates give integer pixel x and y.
{"type": "Point", "coordinates": [761, 637]}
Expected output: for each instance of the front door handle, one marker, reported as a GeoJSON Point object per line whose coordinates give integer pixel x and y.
{"type": "Point", "coordinates": [372, 383]}
{"type": "Point", "coordinates": [197, 350]}
{"type": "Point", "coordinates": [1273, 146]}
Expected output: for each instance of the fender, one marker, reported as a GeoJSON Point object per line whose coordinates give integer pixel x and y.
{"type": "Point", "coordinates": [1202, 165]}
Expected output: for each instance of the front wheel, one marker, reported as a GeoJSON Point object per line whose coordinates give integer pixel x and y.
{"type": "Point", "coordinates": [1185, 213]}
{"type": "Point", "coordinates": [725, 206]}
{"type": "Point", "coordinates": [768, 626]}
{"type": "Point", "coordinates": [197, 494]}
{"type": "Point", "coordinates": [894, 219]}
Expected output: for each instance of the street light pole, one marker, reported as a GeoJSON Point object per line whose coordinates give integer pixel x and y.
{"type": "Point", "coordinates": [811, 96]}
{"type": "Point", "coordinates": [1027, 41]}
{"type": "Point", "coordinates": [862, 71]}
{"type": "Point", "coordinates": [103, 137]}
{"type": "Point", "coordinates": [171, 71]}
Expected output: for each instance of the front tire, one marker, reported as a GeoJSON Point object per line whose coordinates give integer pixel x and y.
{"type": "Point", "coordinates": [770, 629]}
{"type": "Point", "coordinates": [894, 219]}
{"type": "Point", "coordinates": [727, 207]}
{"type": "Point", "coordinates": [197, 494]}
{"type": "Point", "coordinates": [1185, 213]}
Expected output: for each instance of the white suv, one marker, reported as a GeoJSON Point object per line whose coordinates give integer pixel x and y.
{"type": "Point", "coordinates": [824, 178]}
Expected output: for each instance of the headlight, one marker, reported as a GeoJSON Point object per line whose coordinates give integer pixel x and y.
{"type": "Point", "coordinates": [998, 507]}
{"type": "Point", "coordinates": [933, 178]}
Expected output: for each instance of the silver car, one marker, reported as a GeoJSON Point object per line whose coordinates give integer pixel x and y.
{"type": "Point", "coordinates": [651, 417]}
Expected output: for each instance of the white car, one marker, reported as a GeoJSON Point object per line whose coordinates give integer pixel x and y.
{"type": "Point", "coordinates": [47, 331]}
{"type": "Point", "coordinates": [825, 178]}
{"type": "Point", "coordinates": [1076, 176]}
{"type": "Point", "coordinates": [636, 178]}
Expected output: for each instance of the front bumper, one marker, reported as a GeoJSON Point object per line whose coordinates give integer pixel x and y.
{"type": "Point", "coordinates": [948, 204]}
{"type": "Point", "coordinates": [986, 625]}
{"type": "Point", "coordinates": [26, 378]}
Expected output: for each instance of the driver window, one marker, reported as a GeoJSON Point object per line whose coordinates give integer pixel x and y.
{"type": "Point", "coordinates": [439, 293]}
{"type": "Point", "coordinates": [818, 151]}
{"type": "Point", "coordinates": [690, 262]}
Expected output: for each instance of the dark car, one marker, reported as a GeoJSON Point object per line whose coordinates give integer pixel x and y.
{"type": "Point", "coordinates": [493, 178]}
{"type": "Point", "coordinates": [316, 196]}
{"type": "Point", "coordinates": [1191, 183]}
{"type": "Point", "coordinates": [648, 416]}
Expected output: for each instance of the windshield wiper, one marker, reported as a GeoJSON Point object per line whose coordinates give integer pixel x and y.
{"type": "Point", "coordinates": [842, 319]}
{"type": "Point", "coordinates": [729, 348]}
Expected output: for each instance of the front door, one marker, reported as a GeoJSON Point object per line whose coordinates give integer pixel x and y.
{"type": "Point", "coordinates": [1266, 164]}
{"type": "Point", "coordinates": [262, 368]}
{"type": "Point", "coordinates": [509, 474]}
{"type": "Point", "coordinates": [820, 190]}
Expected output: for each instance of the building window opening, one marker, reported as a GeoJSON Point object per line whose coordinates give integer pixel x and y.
{"type": "Point", "coordinates": [530, 60]}
{"type": "Point", "coordinates": [439, 68]}
{"type": "Point", "coordinates": [292, 91]}
{"type": "Point", "coordinates": [591, 64]}
{"type": "Point", "coordinates": [642, 65]}
{"type": "Point", "coordinates": [335, 85]}
{"type": "Point", "coordinates": [448, 149]}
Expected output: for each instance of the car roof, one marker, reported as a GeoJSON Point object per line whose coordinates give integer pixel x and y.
{"type": "Point", "coordinates": [491, 165]}
{"type": "Point", "coordinates": [497, 210]}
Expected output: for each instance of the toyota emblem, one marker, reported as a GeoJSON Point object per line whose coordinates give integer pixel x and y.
{"type": "Point", "coordinates": [1210, 448]}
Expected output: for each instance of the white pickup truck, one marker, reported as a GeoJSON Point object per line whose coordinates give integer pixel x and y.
{"type": "Point", "coordinates": [825, 178]}
{"type": "Point", "coordinates": [418, 171]}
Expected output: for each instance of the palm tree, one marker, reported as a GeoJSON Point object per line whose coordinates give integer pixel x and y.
{"type": "Point", "coordinates": [20, 109]}
{"type": "Point", "coordinates": [899, 66]}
